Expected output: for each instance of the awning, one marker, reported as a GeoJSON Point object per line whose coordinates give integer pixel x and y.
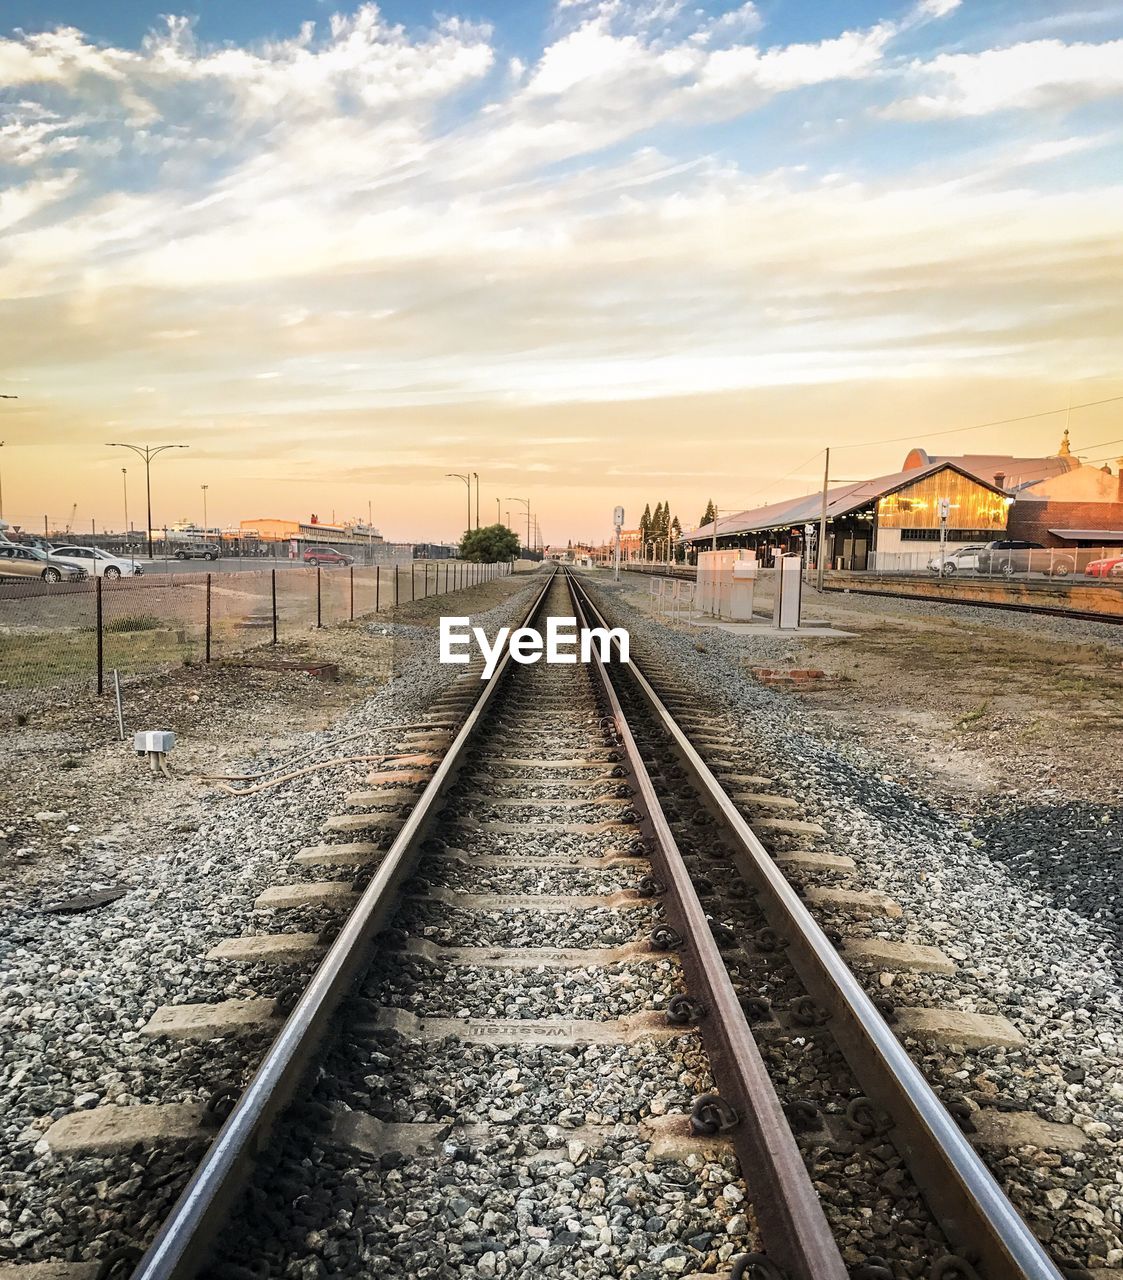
{"type": "Point", "coordinates": [1101, 536]}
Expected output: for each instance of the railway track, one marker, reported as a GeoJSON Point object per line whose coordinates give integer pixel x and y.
{"type": "Point", "coordinates": [580, 1020]}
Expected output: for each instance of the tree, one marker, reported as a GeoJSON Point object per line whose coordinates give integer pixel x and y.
{"type": "Point", "coordinates": [677, 549]}
{"type": "Point", "coordinates": [489, 544]}
{"type": "Point", "coordinates": [711, 514]}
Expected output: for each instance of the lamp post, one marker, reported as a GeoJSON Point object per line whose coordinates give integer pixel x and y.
{"type": "Point", "coordinates": [204, 488]}
{"type": "Point", "coordinates": [526, 503]}
{"type": "Point", "coordinates": [1, 489]}
{"type": "Point", "coordinates": [455, 475]}
{"type": "Point", "coordinates": [125, 492]}
{"type": "Point", "coordinates": [147, 452]}
{"type": "Point", "coordinates": [477, 480]}
{"type": "Point", "coordinates": [498, 513]}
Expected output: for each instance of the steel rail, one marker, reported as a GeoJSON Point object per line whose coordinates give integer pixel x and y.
{"type": "Point", "coordinates": [968, 1203]}
{"type": "Point", "coordinates": [184, 1242]}
{"type": "Point", "coordinates": [787, 1209]}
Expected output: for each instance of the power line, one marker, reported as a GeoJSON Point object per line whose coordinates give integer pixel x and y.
{"type": "Point", "coordinates": [979, 426]}
{"type": "Point", "coordinates": [1103, 444]}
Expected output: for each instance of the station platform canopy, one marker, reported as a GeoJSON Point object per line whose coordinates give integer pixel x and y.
{"type": "Point", "coordinates": [841, 501]}
{"type": "Point", "coordinates": [1099, 536]}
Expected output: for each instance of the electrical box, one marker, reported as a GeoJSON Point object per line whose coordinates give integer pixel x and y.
{"type": "Point", "coordinates": [146, 740]}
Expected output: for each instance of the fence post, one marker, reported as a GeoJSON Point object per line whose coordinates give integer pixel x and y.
{"type": "Point", "coordinates": [273, 585]}
{"type": "Point", "coordinates": [319, 600]}
{"type": "Point", "coordinates": [208, 642]}
{"type": "Point", "coordinates": [100, 638]}
{"type": "Point", "coordinates": [412, 582]}
{"type": "Point", "coordinates": [396, 584]}
{"type": "Point", "coordinates": [377, 585]}
{"type": "Point", "coordinates": [352, 593]}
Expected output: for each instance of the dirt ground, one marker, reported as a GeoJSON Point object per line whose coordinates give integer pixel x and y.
{"type": "Point", "coordinates": [980, 708]}
{"type": "Point", "coordinates": [971, 706]}
{"type": "Point", "coordinates": [66, 777]}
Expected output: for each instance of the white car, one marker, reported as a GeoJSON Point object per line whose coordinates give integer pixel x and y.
{"type": "Point", "coordinates": [962, 561]}
{"type": "Point", "coordinates": [97, 563]}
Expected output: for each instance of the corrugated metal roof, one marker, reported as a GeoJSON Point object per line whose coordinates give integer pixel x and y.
{"type": "Point", "coordinates": [840, 502]}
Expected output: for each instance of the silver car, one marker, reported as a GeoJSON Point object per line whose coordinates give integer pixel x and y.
{"type": "Point", "coordinates": [97, 563]}
{"type": "Point", "coordinates": [963, 560]}
{"type": "Point", "coordinates": [29, 562]}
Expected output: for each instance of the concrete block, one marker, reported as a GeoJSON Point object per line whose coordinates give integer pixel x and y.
{"type": "Point", "coordinates": [1014, 1129]}
{"type": "Point", "coordinates": [394, 797]}
{"type": "Point", "coordinates": [51, 1270]}
{"type": "Point", "coordinates": [953, 1026]}
{"type": "Point", "coordinates": [789, 826]}
{"type": "Point", "coordinates": [107, 1130]}
{"type": "Point", "coordinates": [269, 948]}
{"type": "Point", "coordinates": [809, 860]}
{"type": "Point", "coordinates": [283, 897]}
{"type": "Point", "coordinates": [878, 953]}
{"type": "Point", "coordinates": [357, 853]}
{"type": "Point", "coordinates": [362, 821]}
{"type": "Point", "coordinates": [855, 902]}
{"type": "Point", "coordinates": [765, 800]}
{"type": "Point", "coordinates": [210, 1021]}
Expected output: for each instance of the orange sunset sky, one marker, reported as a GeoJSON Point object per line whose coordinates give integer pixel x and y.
{"type": "Point", "coordinates": [596, 252]}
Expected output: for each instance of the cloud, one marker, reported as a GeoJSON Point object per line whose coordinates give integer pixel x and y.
{"type": "Point", "coordinates": [1035, 75]}
{"type": "Point", "coordinates": [348, 238]}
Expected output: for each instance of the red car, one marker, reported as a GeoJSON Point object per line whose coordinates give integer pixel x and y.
{"type": "Point", "coordinates": [1109, 566]}
{"type": "Point", "coordinates": [319, 554]}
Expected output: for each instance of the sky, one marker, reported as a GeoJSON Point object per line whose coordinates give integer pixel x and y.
{"type": "Point", "coordinates": [598, 252]}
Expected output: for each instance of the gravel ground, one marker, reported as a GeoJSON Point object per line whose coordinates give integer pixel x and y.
{"type": "Point", "coordinates": [78, 988]}
{"type": "Point", "coordinates": [1036, 939]}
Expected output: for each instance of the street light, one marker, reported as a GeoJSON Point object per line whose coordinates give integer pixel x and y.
{"type": "Point", "coordinates": [2, 479]}
{"type": "Point", "coordinates": [455, 475]}
{"type": "Point", "coordinates": [147, 452]}
{"type": "Point", "coordinates": [204, 488]}
{"type": "Point", "coordinates": [125, 490]}
{"type": "Point", "coordinates": [526, 503]}
{"type": "Point", "coordinates": [477, 480]}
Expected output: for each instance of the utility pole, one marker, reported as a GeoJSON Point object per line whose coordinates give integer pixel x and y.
{"type": "Point", "coordinates": [147, 452]}
{"type": "Point", "coordinates": [526, 503]}
{"type": "Point", "coordinates": [821, 557]}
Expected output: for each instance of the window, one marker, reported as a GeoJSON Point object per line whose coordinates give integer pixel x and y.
{"type": "Point", "coordinates": [974, 507]}
{"type": "Point", "coordinates": [954, 535]}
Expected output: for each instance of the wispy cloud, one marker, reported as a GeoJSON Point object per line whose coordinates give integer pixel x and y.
{"type": "Point", "coordinates": [362, 224]}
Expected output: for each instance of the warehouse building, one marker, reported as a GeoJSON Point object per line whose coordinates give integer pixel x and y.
{"type": "Point", "coordinates": [893, 513]}
{"type": "Point", "coordinates": [1055, 501]}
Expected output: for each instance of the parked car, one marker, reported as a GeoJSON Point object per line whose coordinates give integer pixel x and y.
{"type": "Point", "coordinates": [323, 554]}
{"type": "Point", "coordinates": [1108, 567]}
{"type": "Point", "coordinates": [30, 562]}
{"type": "Point", "coordinates": [962, 560]}
{"type": "Point", "coordinates": [98, 563]}
{"type": "Point", "coordinates": [201, 551]}
{"type": "Point", "coordinates": [1006, 556]}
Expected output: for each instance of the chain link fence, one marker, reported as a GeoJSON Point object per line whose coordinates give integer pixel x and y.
{"type": "Point", "coordinates": [70, 637]}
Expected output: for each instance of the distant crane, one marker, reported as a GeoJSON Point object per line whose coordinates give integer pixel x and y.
{"type": "Point", "coordinates": [73, 513]}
